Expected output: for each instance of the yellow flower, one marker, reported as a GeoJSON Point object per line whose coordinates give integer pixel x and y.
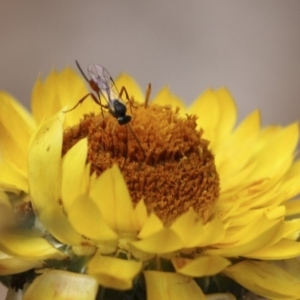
{"type": "Point", "coordinates": [179, 195]}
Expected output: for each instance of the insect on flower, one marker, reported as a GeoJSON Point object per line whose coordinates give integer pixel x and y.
{"type": "Point", "coordinates": [103, 85]}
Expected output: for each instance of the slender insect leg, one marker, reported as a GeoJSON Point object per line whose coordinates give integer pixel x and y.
{"type": "Point", "coordinates": [82, 99]}
{"type": "Point", "coordinates": [148, 92]}
{"type": "Point", "coordinates": [100, 104]}
{"type": "Point", "coordinates": [127, 150]}
{"type": "Point", "coordinates": [130, 101]}
{"type": "Point", "coordinates": [137, 140]}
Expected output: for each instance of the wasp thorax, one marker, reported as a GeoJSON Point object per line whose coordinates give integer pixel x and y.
{"type": "Point", "coordinates": [161, 155]}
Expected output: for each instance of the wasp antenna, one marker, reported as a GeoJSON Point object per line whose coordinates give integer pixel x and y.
{"type": "Point", "coordinates": [82, 73]}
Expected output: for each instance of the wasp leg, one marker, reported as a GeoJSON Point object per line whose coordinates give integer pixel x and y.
{"type": "Point", "coordinates": [137, 140]}
{"type": "Point", "coordinates": [100, 104]}
{"type": "Point", "coordinates": [130, 101]}
{"type": "Point", "coordinates": [82, 99]}
{"type": "Point", "coordinates": [127, 150]}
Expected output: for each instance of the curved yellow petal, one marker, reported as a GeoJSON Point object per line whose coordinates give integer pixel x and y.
{"type": "Point", "coordinates": [44, 170]}
{"type": "Point", "coordinates": [291, 228]}
{"type": "Point", "coordinates": [292, 266]}
{"type": "Point", "coordinates": [292, 207]}
{"type": "Point", "coordinates": [13, 265]}
{"type": "Point", "coordinates": [7, 217]}
{"type": "Point", "coordinates": [270, 161]}
{"type": "Point", "coordinates": [44, 165]}
{"type": "Point", "coordinates": [201, 266]}
{"type": "Point", "coordinates": [209, 235]}
{"type": "Point", "coordinates": [27, 245]}
{"type": "Point", "coordinates": [63, 89]}
{"type": "Point", "coordinates": [62, 285]}
{"type": "Point", "coordinates": [112, 272]}
{"type": "Point", "coordinates": [270, 232]}
{"type": "Point", "coordinates": [59, 226]}
{"type": "Point", "coordinates": [133, 89]}
{"type": "Point", "coordinates": [112, 197]}
{"type": "Point", "coordinates": [141, 214]}
{"type": "Point", "coordinates": [166, 238]}
{"type": "Point", "coordinates": [284, 249]}
{"type": "Point", "coordinates": [291, 179]}
{"type": "Point", "coordinates": [190, 228]}
{"type": "Point", "coordinates": [11, 179]}
{"type": "Point", "coordinates": [227, 117]}
{"type": "Point", "coordinates": [234, 155]}
{"type": "Point", "coordinates": [171, 286]}
{"type": "Point", "coordinates": [207, 108]}
{"type": "Point", "coordinates": [151, 226]}
{"type": "Point", "coordinates": [73, 173]}
{"type": "Point", "coordinates": [265, 279]}
{"type": "Point", "coordinates": [165, 98]}
{"type": "Point", "coordinates": [220, 296]}
{"type": "Point", "coordinates": [16, 128]}
{"type": "Point", "coordinates": [86, 218]}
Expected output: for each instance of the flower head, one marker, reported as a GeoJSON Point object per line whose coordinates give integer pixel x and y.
{"type": "Point", "coordinates": [159, 206]}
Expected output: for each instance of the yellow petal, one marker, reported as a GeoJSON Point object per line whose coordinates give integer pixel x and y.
{"type": "Point", "coordinates": [112, 272]}
{"type": "Point", "coordinates": [11, 179]}
{"type": "Point", "coordinates": [62, 285]}
{"type": "Point", "coordinates": [291, 228]}
{"type": "Point", "coordinates": [251, 240]}
{"type": "Point", "coordinates": [270, 161]}
{"type": "Point", "coordinates": [234, 155]}
{"type": "Point", "coordinates": [166, 238]}
{"type": "Point", "coordinates": [59, 226]}
{"type": "Point", "coordinates": [194, 233]}
{"type": "Point", "coordinates": [284, 249]}
{"type": "Point", "coordinates": [16, 128]}
{"type": "Point", "coordinates": [111, 195]}
{"type": "Point", "coordinates": [13, 265]}
{"type": "Point", "coordinates": [171, 286]}
{"type": "Point", "coordinates": [227, 117]}
{"type": "Point", "coordinates": [201, 266]}
{"type": "Point", "coordinates": [209, 235]}
{"type": "Point", "coordinates": [292, 207]}
{"type": "Point", "coordinates": [188, 227]}
{"type": "Point", "coordinates": [73, 173]}
{"type": "Point", "coordinates": [151, 226]}
{"type": "Point", "coordinates": [44, 165]}
{"type": "Point", "coordinates": [7, 217]}
{"type": "Point", "coordinates": [25, 244]}
{"type": "Point", "coordinates": [86, 218]}
{"type": "Point", "coordinates": [141, 214]}
{"type": "Point", "coordinates": [265, 279]}
{"type": "Point", "coordinates": [292, 266]}
{"type": "Point", "coordinates": [206, 102]}
{"type": "Point", "coordinates": [60, 90]}
{"type": "Point", "coordinates": [84, 250]}
{"type": "Point", "coordinates": [165, 98]}
{"type": "Point", "coordinates": [220, 296]}
{"type": "Point", "coordinates": [107, 247]}
{"type": "Point", "coordinates": [291, 179]}
{"type": "Point", "coordinates": [133, 89]}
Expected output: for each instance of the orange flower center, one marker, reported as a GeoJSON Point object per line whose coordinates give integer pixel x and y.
{"type": "Point", "coordinates": [162, 157]}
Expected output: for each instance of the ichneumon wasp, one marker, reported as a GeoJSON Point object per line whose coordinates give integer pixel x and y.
{"type": "Point", "coordinates": [103, 85]}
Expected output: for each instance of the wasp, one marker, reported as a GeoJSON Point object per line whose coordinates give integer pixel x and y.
{"type": "Point", "coordinates": [103, 85]}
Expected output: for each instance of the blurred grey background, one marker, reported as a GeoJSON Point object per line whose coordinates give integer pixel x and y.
{"type": "Point", "coordinates": [252, 47]}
